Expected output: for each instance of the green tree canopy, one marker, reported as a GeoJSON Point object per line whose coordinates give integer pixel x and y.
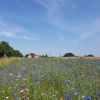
{"type": "Point", "coordinates": [90, 55]}
{"type": "Point", "coordinates": [69, 54]}
{"type": "Point", "coordinates": [6, 49]}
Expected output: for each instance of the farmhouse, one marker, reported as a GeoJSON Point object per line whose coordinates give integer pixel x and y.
{"type": "Point", "coordinates": [33, 55]}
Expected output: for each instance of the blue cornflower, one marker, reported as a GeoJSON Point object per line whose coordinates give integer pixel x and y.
{"type": "Point", "coordinates": [7, 81]}
{"type": "Point", "coordinates": [87, 98]}
{"type": "Point", "coordinates": [67, 97]}
{"type": "Point", "coordinates": [65, 93]}
{"type": "Point", "coordinates": [12, 92]}
{"type": "Point", "coordinates": [78, 90]}
{"type": "Point", "coordinates": [74, 93]}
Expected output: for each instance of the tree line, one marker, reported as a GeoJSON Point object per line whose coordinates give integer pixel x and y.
{"type": "Point", "coordinates": [7, 50]}
{"type": "Point", "coordinates": [73, 55]}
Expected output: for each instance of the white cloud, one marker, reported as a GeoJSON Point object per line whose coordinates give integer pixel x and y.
{"type": "Point", "coordinates": [87, 29]}
{"type": "Point", "coordinates": [52, 6]}
{"type": "Point", "coordinates": [83, 30]}
{"type": "Point", "coordinates": [27, 37]}
{"type": "Point", "coordinates": [9, 30]}
{"type": "Point", "coordinates": [30, 38]}
{"type": "Point", "coordinates": [7, 34]}
{"type": "Point", "coordinates": [42, 3]}
{"type": "Point", "coordinates": [15, 31]}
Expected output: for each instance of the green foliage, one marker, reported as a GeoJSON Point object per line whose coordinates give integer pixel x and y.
{"type": "Point", "coordinates": [45, 55]}
{"type": "Point", "coordinates": [90, 55]}
{"type": "Point", "coordinates": [51, 79]}
{"type": "Point", "coordinates": [32, 54]}
{"type": "Point", "coordinates": [26, 55]}
{"type": "Point", "coordinates": [6, 49]}
{"type": "Point", "coordinates": [1, 53]}
{"type": "Point", "coordinates": [69, 55]}
{"type": "Point", "coordinates": [17, 53]}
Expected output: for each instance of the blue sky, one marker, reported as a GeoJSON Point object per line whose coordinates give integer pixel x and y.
{"type": "Point", "coordinates": [51, 26]}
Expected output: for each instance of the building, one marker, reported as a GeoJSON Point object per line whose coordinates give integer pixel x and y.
{"type": "Point", "coordinates": [32, 56]}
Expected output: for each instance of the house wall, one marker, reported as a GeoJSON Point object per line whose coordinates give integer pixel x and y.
{"type": "Point", "coordinates": [36, 57]}
{"type": "Point", "coordinates": [29, 56]}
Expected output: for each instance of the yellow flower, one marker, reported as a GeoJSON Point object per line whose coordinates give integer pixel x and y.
{"type": "Point", "coordinates": [3, 91]}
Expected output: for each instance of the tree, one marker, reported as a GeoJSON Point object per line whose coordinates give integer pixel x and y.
{"type": "Point", "coordinates": [90, 55]}
{"type": "Point", "coordinates": [1, 53]}
{"type": "Point", "coordinates": [26, 55]}
{"type": "Point", "coordinates": [46, 55]}
{"type": "Point", "coordinates": [6, 49]}
{"type": "Point", "coordinates": [69, 54]}
{"type": "Point", "coordinates": [17, 53]}
{"type": "Point", "coordinates": [32, 54]}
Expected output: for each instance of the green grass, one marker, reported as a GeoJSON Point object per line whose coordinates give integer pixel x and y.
{"type": "Point", "coordinates": [4, 62]}
{"type": "Point", "coordinates": [51, 79]}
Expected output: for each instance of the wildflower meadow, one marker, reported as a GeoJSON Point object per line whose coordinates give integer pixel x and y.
{"type": "Point", "coordinates": [51, 79]}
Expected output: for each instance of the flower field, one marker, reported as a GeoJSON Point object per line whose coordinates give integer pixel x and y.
{"type": "Point", "coordinates": [51, 79]}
